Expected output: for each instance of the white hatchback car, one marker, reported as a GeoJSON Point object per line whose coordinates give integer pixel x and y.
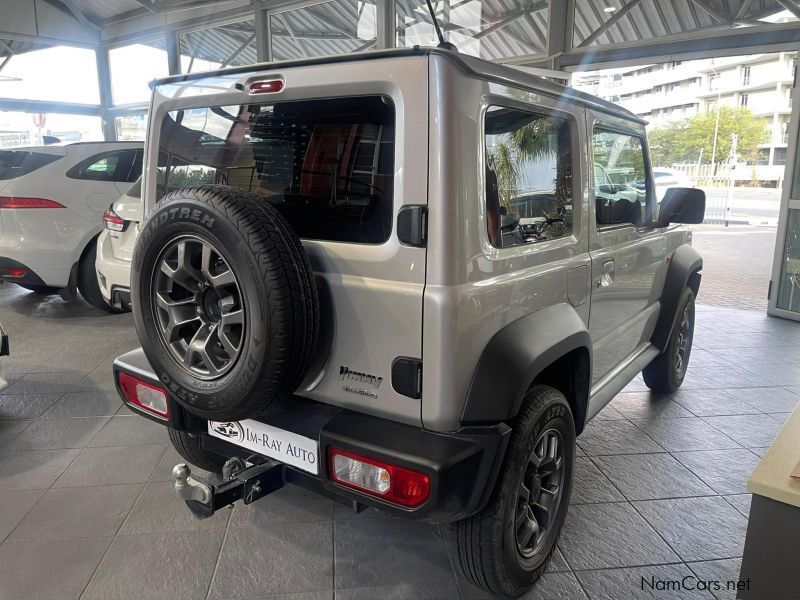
{"type": "Point", "coordinates": [115, 247]}
{"type": "Point", "coordinates": [52, 200]}
{"type": "Point", "coordinates": [665, 179]}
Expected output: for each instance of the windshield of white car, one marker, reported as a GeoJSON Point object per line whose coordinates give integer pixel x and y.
{"type": "Point", "coordinates": [16, 163]}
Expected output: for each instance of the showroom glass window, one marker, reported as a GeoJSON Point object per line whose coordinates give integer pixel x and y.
{"type": "Point", "coordinates": [326, 165]}
{"type": "Point", "coordinates": [132, 68]}
{"type": "Point", "coordinates": [622, 187]}
{"type": "Point", "coordinates": [529, 185]}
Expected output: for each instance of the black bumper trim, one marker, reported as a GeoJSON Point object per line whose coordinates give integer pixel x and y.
{"type": "Point", "coordinates": [29, 277]}
{"type": "Point", "coordinates": [462, 465]}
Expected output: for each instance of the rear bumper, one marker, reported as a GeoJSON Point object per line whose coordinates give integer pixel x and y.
{"type": "Point", "coordinates": [114, 274]}
{"type": "Point", "coordinates": [30, 276]}
{"type": "Point", "coordinates": [462, 466]}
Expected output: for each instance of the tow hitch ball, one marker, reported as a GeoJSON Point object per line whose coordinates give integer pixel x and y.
{"type": "Point", "coordinates": [241, 481]}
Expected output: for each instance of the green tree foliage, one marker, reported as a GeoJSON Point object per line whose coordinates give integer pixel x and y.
{"type": "Point", "coordinates": [683, 140]}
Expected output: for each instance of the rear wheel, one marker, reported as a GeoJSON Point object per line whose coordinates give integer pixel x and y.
{"type": "Point", "coordinates": [667, 371]}
{"type": "Point", "coordinates": [88, 285]}
{"type": "Point", "coordinates": [505, 548]}
{"type": "Point", "coordinates": [189, 447]}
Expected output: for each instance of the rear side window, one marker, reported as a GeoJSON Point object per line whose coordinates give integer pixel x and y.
{"type": "Point", "coordinates": [326, 165]}
{"type": "Point", "coordinates": [108, 166]}
{"type": "Point", "coordinates": [16, 163]}
{"type": "Point", "coordinates": [528, 177]}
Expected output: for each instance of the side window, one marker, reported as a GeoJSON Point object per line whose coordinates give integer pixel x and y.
{"type": "Point", "coordinates": [109, 166]}
{"type": "Point", "coordinates": [621, 180]}
{"type": "Point", "coordinates": [528, 177]}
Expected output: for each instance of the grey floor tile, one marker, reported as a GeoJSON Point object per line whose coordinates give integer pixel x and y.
{"type": "Point", "coordinates": [416, 552]}
{"type": "Point", "coordinates": [160, 569]}
{"type": "Point", "coordinates": [651, 476]}
{"type": "Point", "coordinates": [283, 558]}
{"type": "Point", "coordinates": [719, 378]}
{"type": "Point", "coordinates": [48, 570]}
{"type": "Point", "coordinates": [290, 504]}
{"type": "Point", "coordinates": [608, 413]}
{"type": "Point", "coordinates": [780, 417]}
{"type": "Point", "coordinates": [697, 528]}
{"type": "Point", "coordinates": [725, 573]}
{"type": "Point", "coordinates": [10, 430]}
{"type": "Point", "coordinates": [558, 563]}
{"type": "Point", "coordinates": [760, 451]}
{"type": "Point", "coordinates": [676, 435]}
{"type": "Point", "coordinates": [600, 536]}
{"type": "Point", "coordinates": [85, 404]}
{"type": "Point", "coordinates": [34, 469]}
{"type": "Point", "coordinates": [712, 403]}
{"type": "Point", "coordinates": [47, 383]}
{"type": "Point", "coordinates": [163, 470]}
{"type": "Point", "coordinates": [78, 513]}
{"type": "Point", "coordinates": [16, 505]}
{"type": "Point", "coordinates": [160, 509]}
{"type": "Point", "coordinates": [647, 405]}
{"type": "Point", "coordinates": [429, 591]}
{"type": "Point", "coordinates": [130, 431]}
{"type": "Point", "coordinates": [662, 582]}
{"type": "Point", "coordinates": [740, 502]}
{"type": "Point", "coordinates": [725, 471]}
{"type": "Point", "coordinates": [50, 434]}
{"type": "Point", "coordinates": [615, 437]}
{"type": "Point", "coordinates": [551, 586]}
{"type": "Point", "coordinates": [344, 513]}
{"type": "Point", "coordinates": [326, 595]}
{"type": "Point", "coordinates": [111, 466]}
{"type": "Point", "coordinates": [25, 406]}
{"type": "Point", "coordinates": [748, 430]}
{"type": "Point", "coordinates": [589, 485]}
{"type": "Point", "coordinates": [770, 399]}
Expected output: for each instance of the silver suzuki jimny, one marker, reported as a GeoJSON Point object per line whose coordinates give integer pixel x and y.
{"type": "Point", "coordinates": [404, 279]}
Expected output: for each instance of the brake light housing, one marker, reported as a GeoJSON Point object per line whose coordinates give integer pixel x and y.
{"type": "Point", "coordinates": [380, 479]}
{"type": "Point", "coordinates": [144, 395]}
{"type": "Point", "coordinates": [18, 202]}
{"type": "Point", "coordinates": [15, 272]}
{"type": "Point", "coordinates": [270, 86]}
{"type": "Point", "coordinates": [113, 221]}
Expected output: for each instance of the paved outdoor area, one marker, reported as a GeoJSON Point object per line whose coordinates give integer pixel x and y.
{"type": "Point", "coordinates": [737, 264]}
{"type": "Point", "coordinates": [88, 509]}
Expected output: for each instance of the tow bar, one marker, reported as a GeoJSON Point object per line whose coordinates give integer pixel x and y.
{"type": "Point", "coordinates": [242, 480]}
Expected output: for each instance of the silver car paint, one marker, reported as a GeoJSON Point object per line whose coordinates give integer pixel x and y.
{"type": "Point", "coordinates": [465, 289]}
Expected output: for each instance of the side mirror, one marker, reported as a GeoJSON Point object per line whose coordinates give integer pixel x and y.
{"type": "Point", "coordinates": [682, 205]}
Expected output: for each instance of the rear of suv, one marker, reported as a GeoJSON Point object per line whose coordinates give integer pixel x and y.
{"type": "Point", "coordinates": [390, 278]}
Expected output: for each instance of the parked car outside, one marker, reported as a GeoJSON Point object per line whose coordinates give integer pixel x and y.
{"type": "Point", "coordinates": [667, 178]}
{"type": "Point", "coordinates": [335, 291]}
{"type": "Point", "coordinates": [52, 199]}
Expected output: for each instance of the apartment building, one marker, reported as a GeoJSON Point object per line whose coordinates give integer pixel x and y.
{"type": "Point", "coordinates": [667, 92]}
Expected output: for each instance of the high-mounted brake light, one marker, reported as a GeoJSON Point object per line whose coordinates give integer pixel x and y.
{"type": "Point", "coordinates": [17, 202]}
{"type": "Point", "coordinates": [113, 221]}
{"type": "Point", "coordinates": [272, 86]}
{"type": "Point", "coordinates": [15, 272]}
{"type": "Point", "coordinates": [376, 478]}
{"type": "Point", "coordinates": [144, 395]}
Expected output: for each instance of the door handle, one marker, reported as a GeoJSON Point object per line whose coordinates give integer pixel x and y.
{"type": "Point", "coordinates": [607, 278]}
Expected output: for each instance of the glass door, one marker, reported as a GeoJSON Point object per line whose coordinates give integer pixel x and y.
{"type": "Point", "coordinates": [784, 298]}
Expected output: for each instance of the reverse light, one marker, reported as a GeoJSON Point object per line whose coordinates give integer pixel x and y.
{"type": "Point", "coordinates": [143, 394]}
{"type": "Point", "coordinates": [376, 478]}
{"type": "Point", "coordinates": [15, 272]}
{"type": "Point", "coordinates": [113, 221]}
{"type": "Point", "coordinates": [18, 202]}
{"type": "Point", "coordinates": [272, 86]}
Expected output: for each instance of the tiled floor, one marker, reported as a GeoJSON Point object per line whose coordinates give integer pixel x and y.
{"type": "Point", "coordinates": [87, 509]}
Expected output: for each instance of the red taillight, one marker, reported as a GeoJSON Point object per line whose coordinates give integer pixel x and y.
{"type": "Point", "coordinates": [17, 202]}
{"type": "Point", "coordinates": [272, 86]}
{"type": "Point", "coordinates": [144, 395]}
{"type": "Point", "coordinates": [376, 478]}
{"type": "Point", "coordinates": [14, 272]}
{"type": "Point", "coordinates": [113, 221]}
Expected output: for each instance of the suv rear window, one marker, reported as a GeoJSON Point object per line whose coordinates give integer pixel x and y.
{"type": "Point", "coordinates": [326, 165]}
{"type": "Point", "coordinates": [16, 163]}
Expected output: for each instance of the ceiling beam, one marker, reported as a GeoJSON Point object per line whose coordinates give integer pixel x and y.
{"type": "Point", "coordinates": [615, 18]}
{"type": "Point", "coordinates": [79, 16]}
{"type": "Point", "coordinates": [742, 12]}
{"type": "Point", "coordinates": [238, 51]}
{"type": "Point", "coordinates": [511, 17]}
{"type": "Point", "coordinates": [790, 6]}
{"type": "Point", "coordinates": [711, 11]}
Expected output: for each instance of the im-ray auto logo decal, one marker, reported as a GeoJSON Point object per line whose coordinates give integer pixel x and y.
{"type": "Point", "coordinates": [232, 431]}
